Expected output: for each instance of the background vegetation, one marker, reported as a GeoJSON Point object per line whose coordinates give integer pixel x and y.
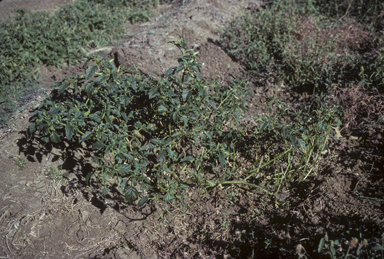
{"type": "Point", "coordinates": [35, 38]}
{"type": "Point", "coordinates": [325, 48]}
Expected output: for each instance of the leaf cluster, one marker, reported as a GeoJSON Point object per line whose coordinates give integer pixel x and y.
{"type": "Point", "coordinates": [34, 38]}
{"type": "Point", "coordinates": [366, 12]}
{"type": "Point", "coordinates": [149, 132]}
{"type": "Point", "coordinates": [164, 133]}
{"type": "Point", "coordinates": [296, 125]}
{"type": "Point", "coordinates": [351, 248]}
{"type": "Point", "coordinates": [293, 141]}
{"type": "Point", "coordinates": [292, 42]}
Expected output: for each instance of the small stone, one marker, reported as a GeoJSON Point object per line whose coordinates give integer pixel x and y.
{"type": "Point", "coordinates": [84, 215]}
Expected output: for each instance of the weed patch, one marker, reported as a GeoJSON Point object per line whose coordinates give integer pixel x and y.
{"type": "Point", "coordinates": [159, 135]}
{"type": "Point", "coordinates": [295, 44]}
{"type": "Point", "coordinates": [35, 38]}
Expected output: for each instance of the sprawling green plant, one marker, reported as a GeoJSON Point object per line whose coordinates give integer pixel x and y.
{"type": "Point", "coordinates": [166, 132]}
{"type": "Point", "coordinates": [153, 132]}
{"type": "Point", "coordinates": [287, 144]}
{"type": "Point", "coordinates": [35, 38]}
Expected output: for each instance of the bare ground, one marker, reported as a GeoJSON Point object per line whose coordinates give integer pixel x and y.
{"type": "Point", "coordinates": [45, 218]}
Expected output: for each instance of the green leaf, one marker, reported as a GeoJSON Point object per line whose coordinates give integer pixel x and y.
{"type": "Point", "coordinates": [145, 147]}
{"type": "Point", "coordinates": [185, 94]}
{"type": "Point", "coordinates": [105, 191]}
{"type": "Point", "coordinates": [162, 155]}
{"type": "Point", "coordinates": [179, 68]}
{"type": "Point", "coordinates": [131, 194]}
{"type": "Point", "coordinates": [196, 140]}
{"type": "Point", "coordinates": [174, 135]}
{"type": "Point", "coordinates": [222, 160]}
{"type": "Point", "coordinates": [168, 197]}
{"type": "Point", "coordinates": [91, 71]}
{"type": "Point", "coordinates": [301, 144]}
{"type": "Point", "coordinates": [169, 72]}
{"type": "Point", "coordinates": [123, 184]}
{"type": "Point", "coordinates": [168, 141]}
{"type": "Point", "coordinates": [88, 178]}
{"type": "Point", "coordinates": [153, 93]}
{"type": "Point", "coordinates": [377, 247]}
{"type": "Point", "coordinates": [333, 250]}
{"type": "Point", "coordinates": [185, 119]}
{"type": "Point", "coordinates": [358, 252]}
{"type": "Point", "coordinates": [188, 158]}
{"type": "Point", "coordinates": [153, 71]}
{"type": "Point", "coordinates": [321, 126]}
{"type": "Point", "coordinates": [86, 136]}
{"type": "Point", "coordinates": [175, 117]}
{"type": "Point", "coordinates": [55, 137]}
{"type": "Point", "coordinates": [126, 101]}
{"type": "Point", "coordinates": [142, 201]}
{"type": "Point", "coordinates": [69, 131]}
{"type": "Point", "coordinates": [32, 128]}
{"type": "Point", "coordinates": [108, 120]}
{"type": "Point", "coordinates": [321, 245]}
{"type": "Point", "coordinates": [171, 154]}
{"type": "Point", "coordinates": [72, 110]}
{"type": "Point", "coordinates": [78, 115]}
{"type": "Point", "coordinates": [125, 169]}
{"type": "Point", "coordinates": [198, 76]}
{"type": "Point", "coordinates": [95, 117]}
{"type": "Point", "coordinates": [162, 109]}
{"type": "Point", "coordinates": [293, 141]}
{"type": "Point", "coordinates": [98, 145]}
{"type": "Point", "coordinates": [263, 126]}
{"type": "Point", "coordinates": [63, 87]}
{"type": "Point", "coordinates": [95, 160]}
{"type": "Point", "coordinates": [186, 81]}
{"type": "Point", "coordinates": [285, 132]}
{"type": "Point", "coordinates": [156, 141]}
{"type": "Point", "coordinates": [211, 183]}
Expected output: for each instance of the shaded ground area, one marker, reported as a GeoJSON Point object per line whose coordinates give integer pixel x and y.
{"type": "Point", "coordinates": [43, 215]}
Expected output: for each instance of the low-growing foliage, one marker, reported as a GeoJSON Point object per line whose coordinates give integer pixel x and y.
{"type": "Point", "coordinates": [369, 12]}
{"type": "Point", "coordinates": [155, 132]}
{"type": "Point", "coordinates": [355, 247]}
{"type": "Point", "coordinates": [164, 133]}
{"type": "Point", "coordinates": [293, 141]}
{"type": "Point", "coordinates": [35, 38]}
{"type": "Point", "coordinates": [156, 135]}
{"type": "Point", "coordinates": [57, 174]}
{"type": "Point", "coordinates": [20, 162]}
{"type": "Point", "coordinates": [291, 41]}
